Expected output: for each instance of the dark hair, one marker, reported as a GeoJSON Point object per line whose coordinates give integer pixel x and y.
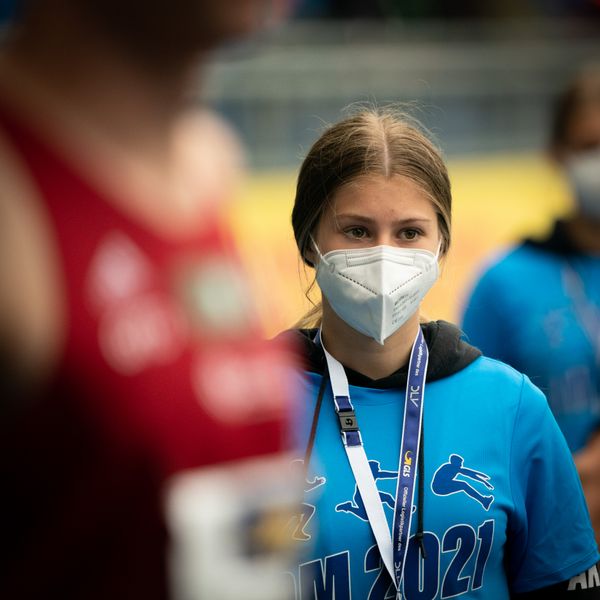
{"type": "Point", "coordinates": [371, 141]}
{"type": "Point", "coordinates": [568, 103]}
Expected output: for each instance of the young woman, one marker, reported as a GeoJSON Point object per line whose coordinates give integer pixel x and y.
{"type": "Point", "coordinates": [560, 346]}
{"type": "Point", "coordinates": [431, 471]}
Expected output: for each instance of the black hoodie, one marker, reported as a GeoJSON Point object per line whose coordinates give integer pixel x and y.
{"type": "Point", "coordinates": [448, 354]}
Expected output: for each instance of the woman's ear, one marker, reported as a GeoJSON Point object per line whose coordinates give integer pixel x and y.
{"type": "Point", "coordinates": [310, 256]}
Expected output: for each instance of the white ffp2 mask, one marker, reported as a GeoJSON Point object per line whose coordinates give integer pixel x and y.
{"type": "Point", "coordinates": [584, 174]}
{"type": "Point", "coordinates": [375, 290]}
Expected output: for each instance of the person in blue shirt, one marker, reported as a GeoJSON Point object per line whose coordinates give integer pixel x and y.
{"type": "Point", "coordinates": [537, 306]}
{"type": "Point", "coordinates": [431, 471]}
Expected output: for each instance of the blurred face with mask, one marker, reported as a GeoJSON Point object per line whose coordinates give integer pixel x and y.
{"type": "Point", "coordinates": [577, 143]}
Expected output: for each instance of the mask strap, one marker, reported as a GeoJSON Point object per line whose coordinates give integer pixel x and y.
{"type": "Point", "coordinates": [321, 258]}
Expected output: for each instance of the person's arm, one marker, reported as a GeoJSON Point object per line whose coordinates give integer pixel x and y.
{"type": "Point", "coordinates": [481, 477]}
{"type": "Point", "coordinates": [585, 586]}
{"type": "Point", "coordinates": [549, 539]}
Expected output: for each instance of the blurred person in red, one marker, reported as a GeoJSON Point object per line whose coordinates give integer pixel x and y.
{"type": "Point", "coordinates": [131, 363]}
{"type": "Point", "coordinates": [537, 307]}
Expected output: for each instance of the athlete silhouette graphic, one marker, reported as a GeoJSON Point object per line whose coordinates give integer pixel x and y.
{"type": "Point", "coordinates": [300, 521]}
{"type": "Point", "coordinates": [357, 506]}
{"type": "Point", "coordinates": [445, 483]}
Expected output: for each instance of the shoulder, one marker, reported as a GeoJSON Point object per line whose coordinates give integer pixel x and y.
{"type": "Point", "coordinates": [512, 399]}
{"type": "Point", "coordinates": [496, 370]}
{"type": "Point", "coordinates": [524, 257]}
{"type": "Point", "coordinates": [307, 353]}
{"type": "Point", "coordinates": [508, 284]}
{"type": "Point", "coordinates": [502, 380]}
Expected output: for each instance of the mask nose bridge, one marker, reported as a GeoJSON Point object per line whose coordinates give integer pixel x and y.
{"type": "Point", "coordinates": [391, 269]}
{"type": "Point", "coordinates": [382, 268]}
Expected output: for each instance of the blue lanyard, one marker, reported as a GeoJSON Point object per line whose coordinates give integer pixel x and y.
{"type": "Point", "coordinates": [411, 439]}
{"type": "Point", "coordinates": [392, 548]}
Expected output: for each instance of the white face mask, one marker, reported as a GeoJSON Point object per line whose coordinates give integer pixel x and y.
{"type": "Point", "coordinates": [375, 290]}
{"type": "Point", "coordinates": [584, 173]}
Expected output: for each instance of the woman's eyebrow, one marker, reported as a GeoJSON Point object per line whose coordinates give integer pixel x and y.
{"type": "Point", "coordinates": [369, 220]}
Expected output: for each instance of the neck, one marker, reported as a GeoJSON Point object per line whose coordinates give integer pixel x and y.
{"type": "Point", "coordinates": [585, 234]}
{"type": "Point", "coordinates": [363, 354]}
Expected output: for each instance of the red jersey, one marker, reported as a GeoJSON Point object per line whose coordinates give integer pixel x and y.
{"type": "Point", "coordinates": [162, 371]}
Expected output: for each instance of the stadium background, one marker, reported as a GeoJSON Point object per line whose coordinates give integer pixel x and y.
{"type": "Point", "coordinates": [483, 85]}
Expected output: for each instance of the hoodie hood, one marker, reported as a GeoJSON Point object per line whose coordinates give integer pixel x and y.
{"type": "Point", "coordinates": [558, 241]}
{"type": "Point", "coordinates": [448, 354]}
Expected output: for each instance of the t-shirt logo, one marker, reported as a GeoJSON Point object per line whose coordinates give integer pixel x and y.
{"type": "Point", "coordinates": [356, 506]}
{"type": "Point", "coordinates": [301, 520]}
{"type": "Point", "coordinates": [445, 481]}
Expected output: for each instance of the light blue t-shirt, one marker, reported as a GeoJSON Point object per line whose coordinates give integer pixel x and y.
{"type": "Point", "coordinates": [525, 312]}
{"type": "Point", "coordinates": [524, 529]}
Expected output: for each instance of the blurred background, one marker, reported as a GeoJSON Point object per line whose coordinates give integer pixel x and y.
{"type": "Point", "coordinates": [481, 76]}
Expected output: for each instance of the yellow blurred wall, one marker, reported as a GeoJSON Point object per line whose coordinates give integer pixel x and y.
{"type": "Point", "coordinates": [496, 201]}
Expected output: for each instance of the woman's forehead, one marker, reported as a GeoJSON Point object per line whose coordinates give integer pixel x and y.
{"type": "Point", "coordinates": [376, 190]}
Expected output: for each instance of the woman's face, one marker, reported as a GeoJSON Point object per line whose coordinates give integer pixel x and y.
{"type": "Point", "coordinates": [379, 211]}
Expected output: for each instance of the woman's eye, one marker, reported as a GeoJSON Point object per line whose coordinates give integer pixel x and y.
{"type": "Point", "coordinates": [411, 234]}
{"type": "Point", "coordinates": [356, 232]}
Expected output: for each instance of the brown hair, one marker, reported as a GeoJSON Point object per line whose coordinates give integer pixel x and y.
{"type": "Point", "coordinates": [583, 88]}
{"type": "Point", "coordinates": [372, 141]}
